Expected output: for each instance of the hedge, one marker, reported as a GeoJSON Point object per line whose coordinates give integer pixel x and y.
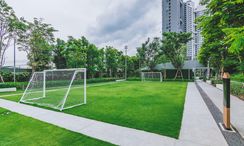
{"type": "Point", "coordinates": [23, 85]}
{"type": "Point", "coordinates": [237, 77]}
{"type": "Point", "coordinates": [18, 85]}
{"type": "Point", "coordinates": [20, 76]}
{"type": "Point", "coordinates": [236, 88]}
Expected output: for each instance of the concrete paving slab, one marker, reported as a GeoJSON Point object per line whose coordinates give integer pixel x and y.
{"type": "Point", "coordinates": [127, 136]}
{"type": "Point", "coordinates": [187, 143]}
{"type": "Point", "coordinates": [198, 125]}
{"type": "Point", "coordinates": [237, 105]}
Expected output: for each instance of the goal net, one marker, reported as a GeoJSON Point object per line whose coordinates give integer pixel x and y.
{"type": "Point", "coordinates": [59, 89]}
{"type": "Point", "coordinates": [151, 76]}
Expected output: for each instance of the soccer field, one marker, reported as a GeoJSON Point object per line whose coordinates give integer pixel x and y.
{"type": "Point", "coordinates": [150, 106]}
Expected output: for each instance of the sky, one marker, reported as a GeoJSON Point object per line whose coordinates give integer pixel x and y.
{"type": "Point", "coordinates": [102, 22]}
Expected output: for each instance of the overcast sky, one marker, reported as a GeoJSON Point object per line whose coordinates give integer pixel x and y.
{"type": "Point", "coordinates": [103, 22]}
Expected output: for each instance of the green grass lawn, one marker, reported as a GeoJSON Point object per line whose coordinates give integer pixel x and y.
{"type": "Point", "coordinates": [19, 130]}
{"type": "Point", "coordinates": [150, 106]}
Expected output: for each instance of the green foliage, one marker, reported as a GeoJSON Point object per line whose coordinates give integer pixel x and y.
{"type": "Point", "coordinates": [37, 41]}
{"type": "Point", "coordinates": [18, 85]}
{"type": "Point", "coordinates": [237, 88]}
{"type": "Point", "coordinates": [92, 60]}
{"type": "Point", "coordinates": [112, 60]}
{"type": "Point", "coordinates": [235, 37]}
{"type": "Point", "coordinates": [231, 64]}
{"type": "Point", "coordinates": [80, 53]}
{"type": "Point", "coordinates": [214, 82]}
{"type": "Point", "coordinates": [20, 76]}
{"type": "Point", "coordinates": [75, 52]}
{"type": "Point", "coordinates": [58, 58]}
{"type": "Point", "coordinates": [237, 77]}
{"type": "Point", "coordinates": [148, 53]}
{"type": "Point", "coordinates": [133, 66]}
{"type": "Point", "coordinates": [10, 26]}
{"type": "Point", "coordinates": [222, 29]}
{"type": "Point", "coordinates": [174, 47]}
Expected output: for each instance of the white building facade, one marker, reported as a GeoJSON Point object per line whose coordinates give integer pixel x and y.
{"type": "Point", "coordinates": [199, 11]}
{"type": "Point", "coordinates": [179, 16]}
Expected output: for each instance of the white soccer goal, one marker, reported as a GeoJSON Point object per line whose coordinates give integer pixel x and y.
{"type": "Point", "coordinates": [59, 89]}
{"type": "Point", "coordinates": [151, 76]}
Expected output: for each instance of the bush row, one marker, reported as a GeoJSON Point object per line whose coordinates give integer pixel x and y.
{"type": "Point", "coordinates": [237, 77]}
{"type": "Point", "coordinates": [214, 82]}
{"type": "Point", "coordinates": [20, 76]}
{"type": "Point", "coordinates": [18, 85]}
{"type": "Point", "coordinates": [23, 85]}
{"type": "Point", "coordinates": [236, 88]}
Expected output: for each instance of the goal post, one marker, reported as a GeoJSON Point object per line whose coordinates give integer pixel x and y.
{"type": "Point", "coordinates": [151, 76]}
{"type": "Point", "coordinates": [59, 89]}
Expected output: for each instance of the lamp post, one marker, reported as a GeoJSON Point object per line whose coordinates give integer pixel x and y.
{"type": "Point", "coordinates": [14, 60]}
{"type": "Point", "coordinates": [126, 49]}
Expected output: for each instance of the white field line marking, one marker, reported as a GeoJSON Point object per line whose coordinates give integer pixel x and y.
{"type": "Point", "coordinates": [92, 85]}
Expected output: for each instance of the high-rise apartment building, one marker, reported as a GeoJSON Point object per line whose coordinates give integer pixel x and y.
{"type": "Point", "coordinates": [199, 11]}
{"type": "Point", "coordinates": [179, 16]}
{"type": "Point", "coordinates": [189, 27]}
{"type": "Point", "coordinates": [173, 15]}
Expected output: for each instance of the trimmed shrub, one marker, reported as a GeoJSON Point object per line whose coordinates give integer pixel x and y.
{"type": "Point", "coordinates": [18, 85]}
{"type": "Point", "coordinates": [237, 89]}
{"type": "Point", "coordinates": [20, 76]}
{"type": "Point", "coordinates": [237, 77]}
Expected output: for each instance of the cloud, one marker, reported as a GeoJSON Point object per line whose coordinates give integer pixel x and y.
{"type": "Point", "coordinates": [127, 23]}
{"type": "Point", "coordinates": [103, 22]}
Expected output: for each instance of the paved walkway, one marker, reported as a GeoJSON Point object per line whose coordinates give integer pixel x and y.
{"type": "Point", "coordinates": [198, 127]}
{"type": "Point", "coordinates": [237, 105]}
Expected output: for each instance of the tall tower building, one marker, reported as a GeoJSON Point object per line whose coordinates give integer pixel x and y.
{"type": "Point", "coordinates": [189, 20]}
{"type": "Point", "coordinates": [173, 15]}
{"type": "Point", "coordinates": [179, 16]}
{"type": "Point", "coordinates": [199, 11]}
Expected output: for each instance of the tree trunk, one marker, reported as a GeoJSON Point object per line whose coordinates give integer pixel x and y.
{"type": "Point", "coordinates": [178, 74]}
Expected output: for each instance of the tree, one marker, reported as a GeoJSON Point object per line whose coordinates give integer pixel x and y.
{"type": "Point", "coordinates": [37, 41]}
{"type": "Point", "coordinates": [174, 48]}
{"type": "Point", "coordinates": [10, 26]}
{"type": "Point", "coordinates": [133, 65]}
{"type": "Point", "coordinates": [235, 37]}
{"type": "Point", "coordinates": [58, 56]}
{"type": "Point", "coordinates": [152, 52]}
{"type": "Point", "coordinates": [221, 28]}
{"type": "Point", "coordinates": [76, 52]}
{"type": "Point", "coordinates": [101, 62]}
{"type": "Point", "coordinates": [148, 53]}
{"type": "Point", "coordinates": [92, 60]}
{"type": "Point", "coordinates": [141, 55]}
{"type": "Point", "coordinates": [111, 55]}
